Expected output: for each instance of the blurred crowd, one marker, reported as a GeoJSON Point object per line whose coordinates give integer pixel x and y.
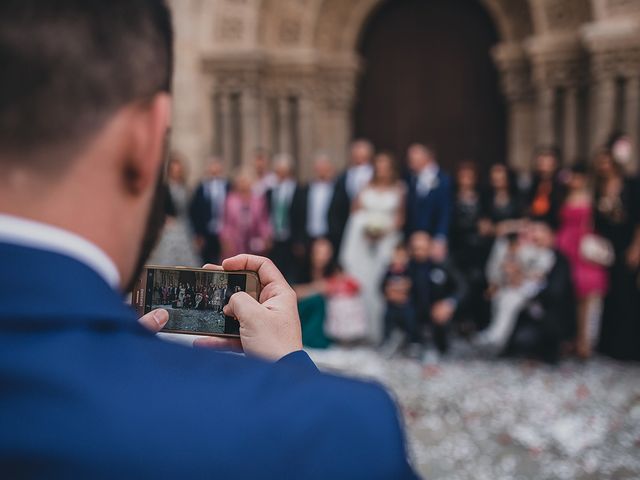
{"type": "Point", "coordinates": [399, 254]}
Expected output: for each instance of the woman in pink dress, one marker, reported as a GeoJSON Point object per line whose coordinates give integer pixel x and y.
{"type": "Point", "coordinates": [245, 225]}
{"type": "Point", "coordinates": [590, 280]}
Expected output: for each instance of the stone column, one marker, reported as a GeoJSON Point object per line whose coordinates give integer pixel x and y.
{"type": "Point", "coordinates": [227, 129]}
{"type": "Point", "coordinates": [250, 109]}
{"type": "Point", "coordinates": [545, 115]}
{"type": "Point", "coordinates": [570, 142]}
{"type": "Point", "coordinates": [285, 124]}
{"type": "Point", "coordinates": [307, 145]}
{"type": "Point", "coordinates": [632, 114]}
{"type": "Point", "coordinates": [603, 106]}
{"type": "Point", "coordinates": [516, 85]}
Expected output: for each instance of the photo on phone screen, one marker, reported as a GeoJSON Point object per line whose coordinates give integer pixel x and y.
{"type": "Point", "coordinates": [194, 299]}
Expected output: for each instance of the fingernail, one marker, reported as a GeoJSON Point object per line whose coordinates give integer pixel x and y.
{"type": "Point", "coordinates": [161, 317]}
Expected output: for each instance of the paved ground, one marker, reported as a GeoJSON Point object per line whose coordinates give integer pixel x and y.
{"type": "Point", "coordinates": [195, 320]}
{"type": "Point", "coordinates": [494, 420]}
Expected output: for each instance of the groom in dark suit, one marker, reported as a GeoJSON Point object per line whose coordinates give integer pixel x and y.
{"type": "Point", "coordinates": [429, 196]}
{"type": "Point", "coordinates": [85, 390]}
{"type": "Point", "coordinates": [206, 211]}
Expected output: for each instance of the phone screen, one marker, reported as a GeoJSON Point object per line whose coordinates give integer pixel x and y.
{"type": "Point", "coordinates": [195, 298]}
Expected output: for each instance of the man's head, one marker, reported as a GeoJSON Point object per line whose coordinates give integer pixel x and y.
{"type": "Point", "coordinates": [420, 156]}
{"type": "Point", "coordinates": [420, 246]}
{"type": "Point", "coordinates": [546, 163]}
{"type": "Point", "coordinates": [323, 168]}
{"type": "Point", "coordinates": [83, 123]}
{"type": "Point", "coordinates": [467, 176]}
{"type": "Point", "coordinates": [541, 234]}
{"type": "Point", "coordinates": [261, 162]}
{"type": "Point", "coordinates": [215, 167]}
{"type": "Point", "coordinates": [361, 152]}
{"type": "Point", "coordinates": [400, 256]}
{"type": "Point", "coordinates": [283, 166]}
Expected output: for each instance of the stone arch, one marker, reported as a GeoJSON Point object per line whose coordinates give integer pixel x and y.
{"type": "Point", "coordinates": [314, 43]}
{"type": "Point", "coordinates": [340, 23]}
{"type": "Point", "coordinates": [334, 26]}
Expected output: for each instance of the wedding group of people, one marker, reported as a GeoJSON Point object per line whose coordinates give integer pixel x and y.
{"type": "Point", "coordinates": [402, 255]}
{"type": "Point", "coordinates": [190, 297]}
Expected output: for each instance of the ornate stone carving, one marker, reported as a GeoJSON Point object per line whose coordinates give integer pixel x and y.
{"type": "Point", "coordinates": [515, 72]}
{"type": "Point", "coordinates": [616, 63]}
{"type": "Point", "coordinates": [616, 7]}
{"type": "Point", "coordinates": [557, 71]}
{"type": "Point", "coordinates": [566, 13]}
{"type": "Point", "coordinates": [289, 31]}
{"type": "Point", "coordinates": [512, 16]}
{"type": "Point", "coordinates": [230, 29]}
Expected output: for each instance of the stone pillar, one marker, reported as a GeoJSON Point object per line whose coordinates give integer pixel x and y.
{"type": "Point", "coordinates": [250, 108]}
{"type": "Point", "coordinates": [603, 96]}
{"type": "Point", "coordinates": [570, 142]}
{"type": "Point", "coordinates": [516, 85]}
{"type": "Point", "coordinates": [545, 115]}
{"type": "Point", "coordinates": [227, 129]}
{"type": "Point", "coordinates": [632, 120]}
{"type": "Point", "coordinates": [307, 144]}
{"type": "Point", "coordinates": [335, 87]}
{"type": "Point", "coordinates": [285, 124]}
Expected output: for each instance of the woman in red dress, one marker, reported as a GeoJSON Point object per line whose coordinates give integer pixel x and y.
{"type": "Point", "coordinates": [590, 280]}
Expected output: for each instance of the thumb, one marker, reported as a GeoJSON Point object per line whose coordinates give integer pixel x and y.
{"type": "Point", "coordinates": [243, 307]}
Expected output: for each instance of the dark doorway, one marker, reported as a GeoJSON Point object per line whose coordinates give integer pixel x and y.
{"type": "Point", "coordinates": [429, 77]}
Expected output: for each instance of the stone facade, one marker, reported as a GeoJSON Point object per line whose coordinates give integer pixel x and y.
{"type": "Point", "coordinates": [281, 74]}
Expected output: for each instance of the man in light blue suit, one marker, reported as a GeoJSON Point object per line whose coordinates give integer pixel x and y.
{"type": "Point", "coordinates": [85, 390]}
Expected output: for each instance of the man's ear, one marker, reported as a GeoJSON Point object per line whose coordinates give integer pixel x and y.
{"type": "Point", "coordinates": [149, 125]}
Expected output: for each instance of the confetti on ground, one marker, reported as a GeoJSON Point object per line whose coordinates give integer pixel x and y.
{"type": "Point", "coordinates": [501, 420]}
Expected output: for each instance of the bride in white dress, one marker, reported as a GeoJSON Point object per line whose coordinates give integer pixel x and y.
{"type": "Point", "coordinates": [371, 234]}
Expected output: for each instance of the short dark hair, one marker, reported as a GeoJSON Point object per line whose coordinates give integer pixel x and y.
{"type": "Point", "coordinates": [547, 151]}
{"type": "Point", "coordinates": [68, 65]}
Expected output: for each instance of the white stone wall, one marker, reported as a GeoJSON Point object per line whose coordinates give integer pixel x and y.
{"type": "Point", "coordinates": [274, 62]}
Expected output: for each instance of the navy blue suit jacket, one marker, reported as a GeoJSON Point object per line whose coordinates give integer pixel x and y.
{"type": "Point", "coordinates": [200, 212]}
{"type": "Point", "coordinates": [432, 212]}
{"type": "Point", "coordinates": [85, 392]}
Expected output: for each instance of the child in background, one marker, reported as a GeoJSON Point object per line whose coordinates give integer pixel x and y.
{"type": "Point", "coordinates": [437, 291]}
{"type": "Point", "coordinates": [447, 291]}
{"type": "Point", "coordinates": [419, 272]}
{"type": "Point", "coordinates": [399, 319]}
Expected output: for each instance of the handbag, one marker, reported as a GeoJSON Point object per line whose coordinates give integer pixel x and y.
{"type": "Point", "coordinates": [597, 249]}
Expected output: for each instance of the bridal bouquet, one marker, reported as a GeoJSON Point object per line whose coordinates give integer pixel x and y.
{"type": "Point", "coordinates": [376, 225]}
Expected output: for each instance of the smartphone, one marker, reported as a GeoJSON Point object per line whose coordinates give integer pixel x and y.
{"type": "Point", "coordinates": [194, 298]}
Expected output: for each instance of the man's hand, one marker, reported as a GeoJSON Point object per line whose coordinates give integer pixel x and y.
{"type": "Point", "coordinates": [269, 328]}
{"type": "Point", "coordinates": [155, 320]}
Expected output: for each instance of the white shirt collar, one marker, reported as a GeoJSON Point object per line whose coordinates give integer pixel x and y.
{"type": "Point", "coordinates": [32, 234]}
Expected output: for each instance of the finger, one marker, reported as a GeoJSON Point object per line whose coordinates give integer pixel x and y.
{"type": "Point", "coordinates": [266, 270]}
{"type": "Point", "coordinates": [155, 320]}
{"type": "Point", "coordinates": [242, 305]}
{"type": "Point", "coordinates": [211, 266]}
{"type": "Point", "coordinates": [219, 343]}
